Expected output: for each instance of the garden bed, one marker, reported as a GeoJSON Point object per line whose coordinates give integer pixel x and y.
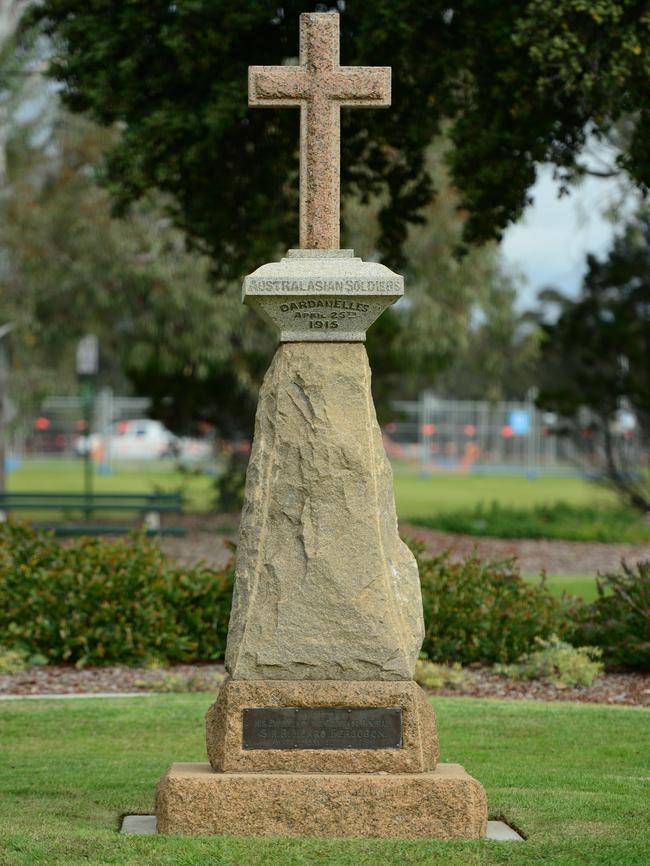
{"type": "Point", "coordinates": [534, 555]}
{"type": "Point", "coordinates": [208, 536]}
{"type": "Point", "coordinates": [631, 689]}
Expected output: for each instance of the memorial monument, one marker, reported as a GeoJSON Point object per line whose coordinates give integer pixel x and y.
{"type": "Point", "coordinates": [320, 729]}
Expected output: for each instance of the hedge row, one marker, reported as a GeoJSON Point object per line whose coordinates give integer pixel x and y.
{"type": "Point", "coordinates": [619, 620]}
{"type": "Point", "coordinates": [94, 602]}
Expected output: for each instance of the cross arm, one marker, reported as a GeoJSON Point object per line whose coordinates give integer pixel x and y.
{"type": "Point", "coordinates": [276, 85]}
{"type": "Point", "coordinates": [362, 85]}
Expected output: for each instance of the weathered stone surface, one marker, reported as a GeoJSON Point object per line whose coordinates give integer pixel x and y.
{"type": "Point", "coordinates": [444, 804]}
{"type": "Point", "coordinates": [322, 295]}
{"type": "Point", "coordinates": [419, 751]}
{"type": "Point", "coordinates": [325, 589]}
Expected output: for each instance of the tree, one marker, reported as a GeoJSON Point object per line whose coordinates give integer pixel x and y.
{"type": "Point", "coordinates": [10, 93]}
{"type": "Point", "coordinates": [594, 364]}
{"type": "Point", "coordinates": [416, 340]}
{"type": "Point", "coordinates": [500, 358]}
{"type": "Point", "coordinates": [69, 268]}
{"type": "Point", "coordinates": [513, 84]}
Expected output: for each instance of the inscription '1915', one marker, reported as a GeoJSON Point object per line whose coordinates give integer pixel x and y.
{"type": "Point", "coordinates": [326, 728]}
{"type": "Point", "coordinates": [325, 324]}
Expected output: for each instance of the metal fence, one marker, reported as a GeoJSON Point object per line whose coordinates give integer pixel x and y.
{"type": "Point", "coordinates": [479, 436]}
{"type": "Point", "coordinates": [439, 434]}
{"type": "Point", "coordinates": [61, 423]}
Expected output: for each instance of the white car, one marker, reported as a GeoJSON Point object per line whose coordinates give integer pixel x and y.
{"type": "Point", "coordinates": [139, 439]}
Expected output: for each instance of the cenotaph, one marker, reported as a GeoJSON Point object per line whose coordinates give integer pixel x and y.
{"type": "Point", "coordinates": [320, 729]}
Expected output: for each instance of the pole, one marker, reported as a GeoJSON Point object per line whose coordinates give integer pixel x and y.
{"type": "Point", "coordinates": [87, 369]}
{"type": "Point", "coordinates": [4, 381]}
{"type": "Point", "coordinates": [86, 396]}
{"type": "Point", "coordinates": [3, 425]}
{"type": "Point", "coordinates": [531, 396]}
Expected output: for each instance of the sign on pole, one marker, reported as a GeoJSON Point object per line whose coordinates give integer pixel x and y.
{"type": "Point", "coordinates": [88, 355]}
{"type": "Point", "coordinates": [519, 421]}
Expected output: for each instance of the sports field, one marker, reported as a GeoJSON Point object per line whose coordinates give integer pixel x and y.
{"type": "Point", "coordinates": [417, 497]}
{"type": "Point", "coordinates": [422, 496]}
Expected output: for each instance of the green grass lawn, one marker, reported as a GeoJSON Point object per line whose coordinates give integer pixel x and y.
{"type": "Point", "coordinates": [419, 497]}
{"type": "Point", "coordinates": [510, 506]}
{"type": "Point", "coordinates": [66, 476]}
{"type": "Point", "coordinates": [573, 778]}
{"type": "Point", "coordinates": [581, 585]}
{"type": "Point", "coordinates": [416, 497]}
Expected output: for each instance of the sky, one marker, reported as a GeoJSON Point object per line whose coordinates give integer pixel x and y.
{"type": "Point", "coordinates": [548, 246]}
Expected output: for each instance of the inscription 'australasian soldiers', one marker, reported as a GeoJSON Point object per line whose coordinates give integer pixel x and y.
{"type": "Point", "coordinates": [320, 87]}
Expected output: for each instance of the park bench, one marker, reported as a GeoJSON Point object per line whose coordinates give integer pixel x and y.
{"type": "Point", "coordinates": [150, 505]}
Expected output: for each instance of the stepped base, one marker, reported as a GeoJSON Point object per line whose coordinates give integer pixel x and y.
{"type": "Point", "coordinates": [444, 804]}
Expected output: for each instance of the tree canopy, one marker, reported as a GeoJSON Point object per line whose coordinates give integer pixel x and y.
{"type": "Point", "coordinates": [594, 363]}
{"type": "Point", "coordinates": [512, 84]}
{"type": "Point", "coordinates": [68, 268]}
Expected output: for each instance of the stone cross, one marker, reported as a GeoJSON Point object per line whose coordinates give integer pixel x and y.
{"type": "Point", "coordinates": [320, 87]}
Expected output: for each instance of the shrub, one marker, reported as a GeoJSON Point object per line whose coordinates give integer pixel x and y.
{"type": "Point", "coordinates": [480, 611]}
{"type": "Point", "coordinates": [99, 602]}
{"type": "Point", "coordinates": [619, 620]}
{"type": "Point", "coordinates": [431, 675]}
{"type": "Point", "coordinates": [12, 661]}
{"type": "Point", "coordinates": [231, 483]}
{"type": "Point", "coordinates": [558, 663]}
{"type": "Point", "coordinates": [182, 683]}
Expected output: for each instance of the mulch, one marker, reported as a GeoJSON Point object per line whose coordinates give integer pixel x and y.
{"type": "Point", "coordinates": [623, 689]}
{"type": "Point", "coordinates": [534, 554]}
{"type": "Point", "coordinates": [209, 537]}
{"type": "Point", "coordinates": [68, 680]}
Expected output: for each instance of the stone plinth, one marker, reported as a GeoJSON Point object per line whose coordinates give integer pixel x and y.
{"type": "Point", "coordinates": [322, 295]}
{"type": "Point", "coordinates": [224, 727]}
{"type": "Point", "coordinates": [444, 804]}
{"type": "Point", "coordinates": [325, 588]}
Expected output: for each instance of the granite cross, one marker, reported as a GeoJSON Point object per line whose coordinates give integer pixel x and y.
{"type": "Point", "coordinates": [320, 87]}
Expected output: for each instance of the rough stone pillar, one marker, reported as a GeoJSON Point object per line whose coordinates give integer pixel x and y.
{"type": "Point", "coordinates": [325, 590]}
{"type": "Point", "coordinates": [320, 729]}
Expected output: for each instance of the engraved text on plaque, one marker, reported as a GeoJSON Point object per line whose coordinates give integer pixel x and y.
{"type": "Point", "coordinates": [322, 728]}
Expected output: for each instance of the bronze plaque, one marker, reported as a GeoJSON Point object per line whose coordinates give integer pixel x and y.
{"type": "Point", "coordinates": [322, 728]}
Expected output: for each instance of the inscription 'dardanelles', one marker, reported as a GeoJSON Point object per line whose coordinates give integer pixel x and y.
{"type": "Point", "coordinates": [324, 303]}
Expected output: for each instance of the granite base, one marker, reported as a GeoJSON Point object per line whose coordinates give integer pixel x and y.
{"type": "Point", "coordinates": [444, 804]}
